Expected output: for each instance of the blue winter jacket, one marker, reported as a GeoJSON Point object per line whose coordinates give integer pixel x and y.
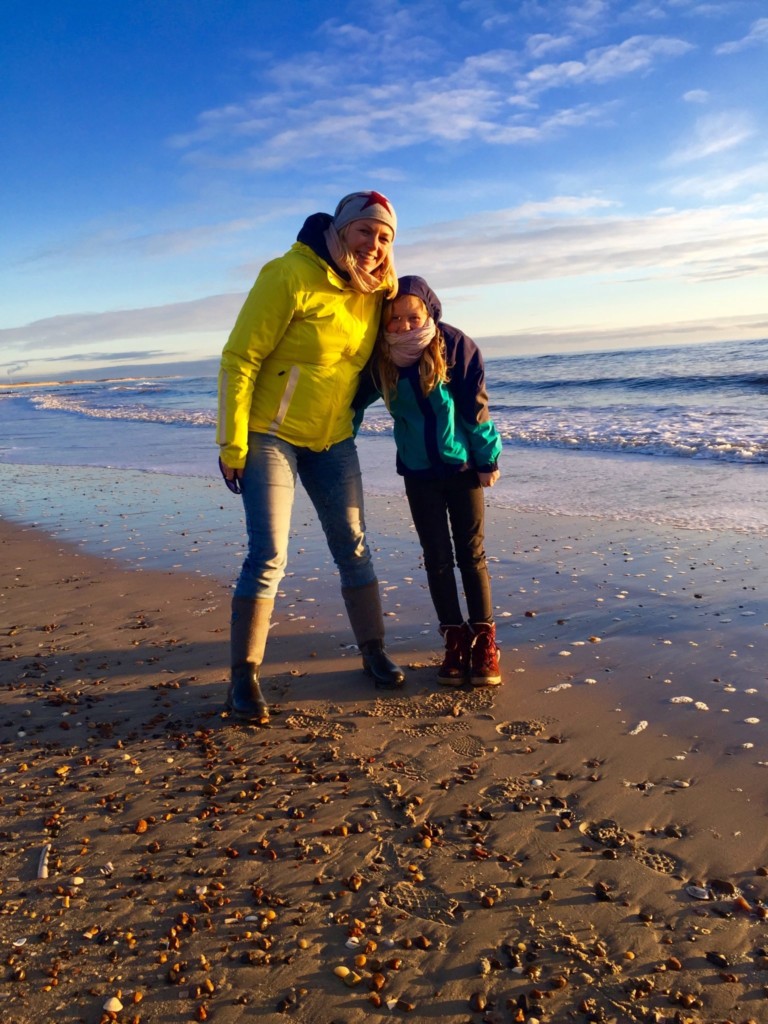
{"type": "Point", "coordinates": [450, 429]}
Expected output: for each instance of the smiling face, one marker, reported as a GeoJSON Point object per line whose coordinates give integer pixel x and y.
{"type": "Point", "coordinates": [369, 242]}
{"type": "Point", "coordinates": [406, 313]}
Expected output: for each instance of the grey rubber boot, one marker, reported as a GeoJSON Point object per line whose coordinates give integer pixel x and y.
{"type": "Point", "coordinates": [367, 621]}
{"type": "Point", "coordinates": [249, 630]}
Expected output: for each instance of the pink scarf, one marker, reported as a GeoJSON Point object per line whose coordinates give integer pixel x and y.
{"type": "Point", "coordinates": [405, 349]}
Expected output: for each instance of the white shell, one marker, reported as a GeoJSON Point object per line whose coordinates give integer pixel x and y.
{"type": "Point", "coordinates": [697, 892]}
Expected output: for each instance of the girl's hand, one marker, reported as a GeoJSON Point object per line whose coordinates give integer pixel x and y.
{"type": "Point", "coordinates": [488, 479]}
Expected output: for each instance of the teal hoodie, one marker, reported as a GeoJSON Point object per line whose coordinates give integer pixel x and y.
{"type": "Point", "coordinates": [450, 429]}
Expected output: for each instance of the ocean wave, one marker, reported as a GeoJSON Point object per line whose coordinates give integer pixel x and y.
{"type": "Point", "coordinates": [680, 447]}
{"type": "Point", "coordinates": [142, 387]}
{"type": "Point", "coordinates": [135, 412]}
{"type": "Point", "coordinates": [670, 441]}
{"type": "Point", "coordinates": [674, 383]}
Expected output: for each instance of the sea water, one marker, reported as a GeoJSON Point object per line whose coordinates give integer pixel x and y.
{"type": "Point", "coordinates": [673, 436]}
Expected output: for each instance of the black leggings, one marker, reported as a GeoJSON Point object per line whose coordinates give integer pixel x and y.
{"type": "Point", "coordinates": [449, 515]}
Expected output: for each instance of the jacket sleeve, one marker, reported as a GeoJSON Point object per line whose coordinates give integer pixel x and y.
{"type": "Point", "coordinates": [367, 393]}
{"type": "Point", "coordinates": [262, 322]}
{"type": "Point", "coordinates": [467, 384]}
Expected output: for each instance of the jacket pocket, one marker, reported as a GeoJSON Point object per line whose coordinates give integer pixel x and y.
{"type": "Point", "coordinates": [285, 401]}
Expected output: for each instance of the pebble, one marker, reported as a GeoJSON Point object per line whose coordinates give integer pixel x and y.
{"type": "Point", "coordinates": [478, 1001]}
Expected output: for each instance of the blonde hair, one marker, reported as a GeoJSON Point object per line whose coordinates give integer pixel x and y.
{"type": "Point", "coordinates": [385, 273]}
{"type": "Point", "coordinates": [433, 364]}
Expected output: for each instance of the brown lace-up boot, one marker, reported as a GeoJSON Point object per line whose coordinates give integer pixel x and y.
{"type": "Point", "coordinates": [455, 667]}
{"type": "Point", "coordinates": [484, 656]}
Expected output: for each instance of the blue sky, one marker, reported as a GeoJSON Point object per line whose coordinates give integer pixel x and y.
{"type": "Point", "coordinates": [566, 175]}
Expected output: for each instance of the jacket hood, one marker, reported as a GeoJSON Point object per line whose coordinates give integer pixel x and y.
{"type": "Point", "coordinates": [412, 285]}
{"type": "Point", "coordinates": [312, 234]}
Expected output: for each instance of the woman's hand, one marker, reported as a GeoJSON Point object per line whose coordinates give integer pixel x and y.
{"type": "Point", "coordinates": [488, 479]}
{"type": "Point", "coordinates": [232, 477]}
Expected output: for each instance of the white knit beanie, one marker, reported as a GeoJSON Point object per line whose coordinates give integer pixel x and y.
{"type": "Point", "coordinates": [365, 206]}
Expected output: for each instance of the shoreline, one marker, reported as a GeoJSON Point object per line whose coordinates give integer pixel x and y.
{"type": "Point", "coordinates": [530, 848]}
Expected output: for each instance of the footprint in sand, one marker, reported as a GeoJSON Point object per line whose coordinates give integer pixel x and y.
{"type": "Point", "coordinates": [611, 835]}
{"type": "Point", "coordinates": [467, 746]}
{"type": "Point", "coordinates": [516, 730]}
{"type": "Point", "coordinates": [425, 903]}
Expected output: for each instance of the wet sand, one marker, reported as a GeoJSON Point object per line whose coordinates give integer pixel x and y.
{"type": "Point", "coordinates": [586, 842]}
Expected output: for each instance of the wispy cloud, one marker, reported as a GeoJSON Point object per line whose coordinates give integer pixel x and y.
{"type": "Point", "coordinates": [687, 245]}
{"type": "Point", "coordinates": [716, 185]}
{"type": "Point", "coordinates": [603, 64]}
{"type": "Point", "coordinates": [137, 240]}
{"type": "Point", "coordinates": [542, 44]}
{"type": "Point", "coordinates": [735, 328]}
{"type": "Point", "coordinates": [490, 96]}
{"type": "Point", "coordinates": [757, 36]}
{"type": "Point", "coordinates": [76, 331]}
{"type": "Point", "coordinates": [132, 356]}
{"type": "Point", "coordinates": [565, 237]}
{"type": "Point", "coordinates": [715, 133]}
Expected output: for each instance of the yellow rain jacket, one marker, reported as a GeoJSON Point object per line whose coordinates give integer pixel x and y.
{"type": "Point", "coordinates": [290, 367]}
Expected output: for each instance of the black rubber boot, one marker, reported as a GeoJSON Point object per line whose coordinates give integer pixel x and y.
{"type": "Point", "coordinates": [384, 672]}
{"type": "Point", "coordinates": [244, 697]}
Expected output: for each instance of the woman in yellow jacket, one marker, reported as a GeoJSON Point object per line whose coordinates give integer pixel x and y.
{"type": "Point", "coordinates": [289, 373]}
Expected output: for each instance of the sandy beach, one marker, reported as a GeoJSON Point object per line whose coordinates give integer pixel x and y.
{"type": "Point", "coordinates": [585, 843]}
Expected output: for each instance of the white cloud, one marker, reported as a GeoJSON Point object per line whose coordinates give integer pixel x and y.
{"type": "Point", "coordinates": [757, 35]}
{"type": "Point", "coordinates": [486, 97]}
{"type": "Point", "coordinates": [586, 13]}
{"type": "Point", "coordinates": [508, 246]}
{"type": "Point", "coordinates": [715, 133]}
{"type": "Point", "coordinates": [543, 43]}
{"type": "Point", "coordinates": [603, 64]}
{"type": "Point", "coordinates": [716, 185]}
{"type": "Point", "coordinates": [696, 96]}
{"type": "Point", "coordinates": [79, 330]}
{"type": "Point", "coordinates": [595, 337]}
{"type": "Point", "coordinates": [568, 236]}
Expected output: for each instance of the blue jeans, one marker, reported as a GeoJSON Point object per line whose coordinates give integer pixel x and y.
{"type": "Point", "coordinates": [333, 482]}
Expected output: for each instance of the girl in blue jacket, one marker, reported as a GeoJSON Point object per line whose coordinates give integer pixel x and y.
{"type": "Point", "coordinates": [432, 379]}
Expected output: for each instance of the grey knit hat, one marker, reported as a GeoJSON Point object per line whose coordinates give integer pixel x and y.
{"type": "Point", "coordinates": [365, 206]}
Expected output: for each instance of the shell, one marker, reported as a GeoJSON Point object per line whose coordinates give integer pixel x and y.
{"type": "Point", "coordinates": [698, 892]}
